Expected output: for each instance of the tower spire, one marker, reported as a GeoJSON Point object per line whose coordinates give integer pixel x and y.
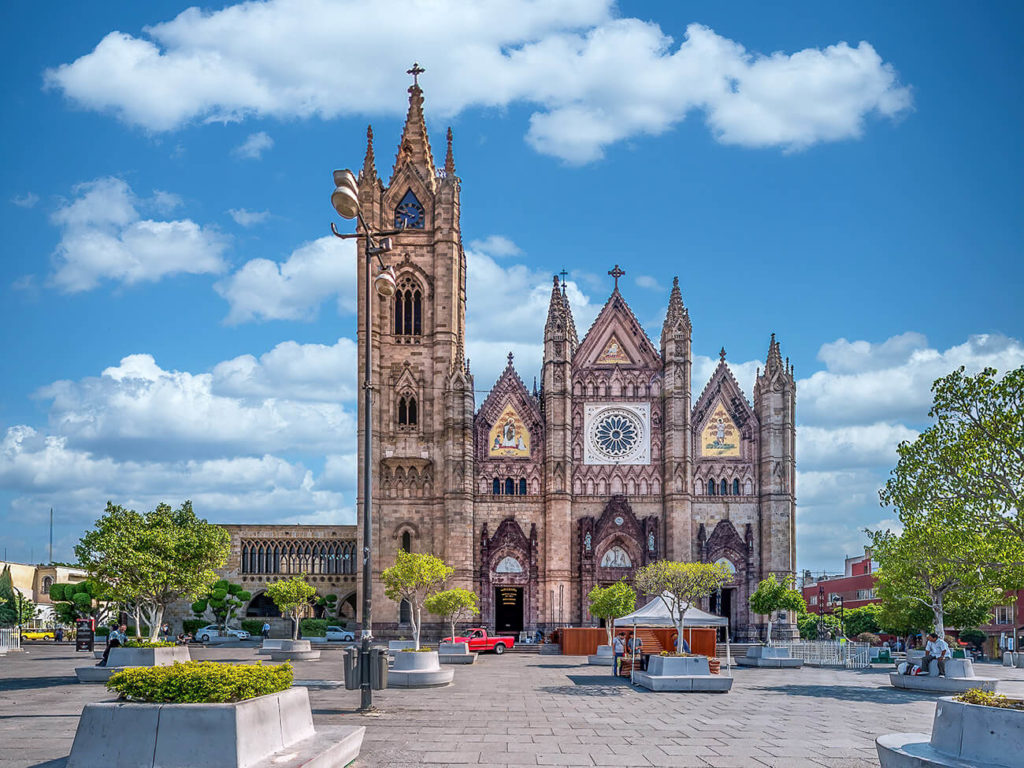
{"type": "Point", "coordinates": [677, 317]}
{"type": "Point", "coordinates": [369, 163]}
{"type": "Point", "coordinates": [774, 362]}
{"type": "Point", "coordinates": [449, 158]}
{"type": "Point", "coordinates": [414, 147]}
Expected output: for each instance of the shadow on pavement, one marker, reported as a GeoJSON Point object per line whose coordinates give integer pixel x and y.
{"type": "Point", "coordinates": [879, 695]}
{"type": "Point", "coordinates": [24, 683]}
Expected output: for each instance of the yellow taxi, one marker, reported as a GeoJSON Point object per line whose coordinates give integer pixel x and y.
{"type": "Point", "coordinates": [38, 634]}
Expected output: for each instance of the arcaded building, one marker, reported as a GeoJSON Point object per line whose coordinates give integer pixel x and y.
{"type": "Point", "coordinates": [614, 461]}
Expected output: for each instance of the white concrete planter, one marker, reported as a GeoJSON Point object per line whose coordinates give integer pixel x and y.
{"type": "Point", "coordinates": [681, 673]}
{"type": "Point", "coordinates": [294, 650]}
{"type": "Point", "coordinates": [455, 653]}
{"type": "Point", "coordinates": [418, 669]}
{"type": "Point", "coordinates": [120, 658]}
{"type": "Point", "coordinates": [400, 645]}
{"type": "Point", "coordinates": [275, 729]}
{"type": "Point", "coordinates": [962, 734]}
{"type": "Point", "coordinates": [770, 657]}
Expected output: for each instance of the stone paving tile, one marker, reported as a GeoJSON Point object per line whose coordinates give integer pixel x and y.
{"type": "Point", "coordinates": [529, 711]}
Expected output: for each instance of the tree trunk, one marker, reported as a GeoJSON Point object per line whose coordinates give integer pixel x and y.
{"type": "Point", "coordinates": [939, 614]}
{"type": "Point", "coordinates": [453, 629]}
{"type": "Point", "coordinates": [769, 638]}
{"type": "Point", "coordinates": [679, 630]}
{"type": "Point", "coordinates": [608, 626]}
{"type": "Point", "coordinates": [156, 620]}
{"type": "Point", "coordinates": [295, 626]}
{"type": "Point", "coordinates": [416, 627]}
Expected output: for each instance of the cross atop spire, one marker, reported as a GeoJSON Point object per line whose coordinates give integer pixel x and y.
{"type": "Point", "coordinates": [721, 355]}
{"type": "Point", "coordinates": [416, 71]}
{"type": "Point", "coordinates": [616, 273]}
{"type": "Point", "coordinates": [510, 358]}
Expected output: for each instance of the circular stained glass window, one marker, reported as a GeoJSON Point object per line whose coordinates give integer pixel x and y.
{"type": "Point", "coordinates": [616, 434]}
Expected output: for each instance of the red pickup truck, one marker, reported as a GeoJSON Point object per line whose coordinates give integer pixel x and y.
{"type": "Point", "coordinates": [479, 641]}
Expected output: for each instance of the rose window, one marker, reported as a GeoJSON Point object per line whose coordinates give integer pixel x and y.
{"type": "Point", "coordinates": [616, 434]}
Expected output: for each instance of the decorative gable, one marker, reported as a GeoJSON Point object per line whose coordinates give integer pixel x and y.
{"type": "Point", "coordinates": [616, 339]}
{"type": "Point", "coordinates": [613, 353]}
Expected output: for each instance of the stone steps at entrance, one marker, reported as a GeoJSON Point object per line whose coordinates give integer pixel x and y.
{"type": "Point", "coordinates": [525, 648]}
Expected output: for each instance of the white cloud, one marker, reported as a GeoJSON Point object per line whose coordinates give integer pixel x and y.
{"type": "Point", "coordinates": [592, 77]}
{"type": "Point", "coordinates": [103, 237]}
{"type": "Point", "coordinates": [137, 409]}
{"type": "Point", "coordinates": [291, 371]}
{"type": "Point", "coordinates": [254, 146]}
{"type": "Point", "coordinates": [246, 218]}
{"type": "Point", "coordinates": [294, 289]}
{"type": "Point", "coordinates": [864, 382]}
{"type": "Point", "coordinates": [646, 281]}
{"type": "Point", "coordinates": [869, 445]}
{"type": "Point", "coordinates": [496, 245]}
{"type": "Point", "coordinates": [165, 202]}
{"type": "Point", "coordinates": [28, 200]}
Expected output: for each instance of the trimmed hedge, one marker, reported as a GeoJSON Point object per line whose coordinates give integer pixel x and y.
{"type": "Point", "coordinates": [191, 626]}
{"type": "Point", "coordinates": [253, 626]}
{"type": "Point", "coordinates": [102, 631]}
{"type": "Point", "coordinates": [313, 627]}
{"type": "Point", "coordinates": [147, 644]}
{"type": "Point", "coordinates": [200, 682]}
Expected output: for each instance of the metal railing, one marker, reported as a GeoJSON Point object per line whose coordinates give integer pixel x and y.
{"type": "Point", "coordinates": [829, 653]}
{"type": "Point", "coordinates": [10, 640]}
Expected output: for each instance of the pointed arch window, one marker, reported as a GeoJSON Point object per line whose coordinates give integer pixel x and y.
{"type": "Point", "coordinates": [522, 486]}
{"type": "Point", "coordinates": [735, 487]}
{"type": "Point", "coordinates": [725, 487]}
{"type": "Point", "coordinates": [496, 487]}
{"type": "Point", "coordinates": [405, 612]}
{"type": "Point", "coordinates": [408, 413]}
{"type": "Point", "coordinates": [711, 488]}
{"type": "Point", "coordinates": [510, 486]}
{"type": "Point", "coordinates": [406, 542]}
{"type": "Point", "coordinates": [408, 308]}
{"type": "Point", "coordinates": [409, 212]}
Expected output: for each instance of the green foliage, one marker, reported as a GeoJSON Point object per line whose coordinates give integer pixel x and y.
{"type": "Point", "coordinates": [414, 577]}
{"type": "Point", "coordinates": [154, 558]}
{"type": "Point", "coordinates": [611, 602]}
{"type": "Point", "coordinates": [807, 623]}
{"type": "Point", "coordinates": [972, 457]}
{"type": "Point", "coordinates": [291, 596]}
{"type": "Point", "coordinates": [224, 600]}
{"type": "Point", "coordinates": [313, 627]}
{"type": "Point", "coordinates": [191, 626]}
{"type": "Point", "coordinates": [986, 699]}
{"type": "Point", "coordinates": [200, 682]}
{"type": "Point", "coordinates": [149, 644]}
{"type": "Point", "coordinates": [8, 612]}
{"type": "Point", "coordinates": [253, 626]}
{"type": "Point", "coordinates": [452, 606]}
{"type": "Point", "coordinates": [102, 631]}
{"type": "Point", "coordinates": [864, 619]}
{"type": "Point", "coordinates": [680, 585]}
{"type": "Point", "coordinates": [773, 595]}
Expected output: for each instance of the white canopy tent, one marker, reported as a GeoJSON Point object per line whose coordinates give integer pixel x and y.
{"type": "Point", "coordinates": [656, 614]}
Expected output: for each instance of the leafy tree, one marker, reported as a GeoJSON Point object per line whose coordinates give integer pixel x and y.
{"type": "Point", "coordinates": [452, 606]}
{"type": "Point", "coordinates": [973, 636]}
{"type": "Point", "coordinates": [972, 457]}
{"type": "Point", "coordinates": [224, 601]}
{"type": "Point", "coordinates": [773, 595]}
{"type": "Point", "coordinates": [414, 577]}
{"type": "Point", "coordinates": [938, 562]}
{"type": "Point", "coordinates": [154, 558]}
{"type": "Point", "coordinates": [292, 597]}
{"type": "Point", "coordinates": [863, 619]}
{"type": "Point", "coordinates": [808, 624]}
{"type": "Point", "coordinates": [612, 602]}
{"type": "Point", "coordinates": [680, 585]}
{"type": "Point", "coordinates": [329, 604]}
{"type": "Point", "coordinates": [8, 611]}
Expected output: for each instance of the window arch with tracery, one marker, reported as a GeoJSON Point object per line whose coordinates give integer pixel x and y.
{"type": "Point", "coordinates": [408, 410]}
{"type": "Point", "coordinates": [408, 307]}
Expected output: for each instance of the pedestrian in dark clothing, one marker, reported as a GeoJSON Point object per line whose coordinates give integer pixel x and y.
{"type": "Point", "coordinates": [115, 639]}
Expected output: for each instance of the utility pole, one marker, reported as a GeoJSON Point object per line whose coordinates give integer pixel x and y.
{"type": "Point", "coordinates": [51, 535]}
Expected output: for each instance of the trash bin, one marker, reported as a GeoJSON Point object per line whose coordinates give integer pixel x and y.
{"type": "Point", "coordinates": [378, 668]}
{"type": "Point", "coordinates": [351, 665]}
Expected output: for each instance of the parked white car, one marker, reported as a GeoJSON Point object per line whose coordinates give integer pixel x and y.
{"type": "Point", "coordinates": [337, 633]}
{"type": "Point", "coordinates": [212, 630]}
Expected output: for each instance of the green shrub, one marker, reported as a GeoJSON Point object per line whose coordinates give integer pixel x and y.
{"type": "Point", "coordinates": [102, 631]}
{"type": "Point", "coordinates": [192, 626]}
{"type": "Point", "coordinates": [200, 682]}
{"type": "Point", "coordinates": [313, 627]}
{"type": "Point", "coordinates": [253, 626]}
{"type": "Point", "coordinates": [130, 632]}
{"type": "Point", "coordinates": [147, 644]}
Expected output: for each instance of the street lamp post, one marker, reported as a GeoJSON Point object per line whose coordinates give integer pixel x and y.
{"type": "Point", "coordinates": [345, 200]}
{"type": "Point", "coordinates": [821, 612]}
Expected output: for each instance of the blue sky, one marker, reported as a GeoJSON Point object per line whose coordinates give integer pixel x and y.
{"type": "Point", "coordinates": [176, 325]}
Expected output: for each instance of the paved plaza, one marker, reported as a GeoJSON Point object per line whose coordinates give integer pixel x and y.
{"type": "Point", "coordinates": [528, 710]}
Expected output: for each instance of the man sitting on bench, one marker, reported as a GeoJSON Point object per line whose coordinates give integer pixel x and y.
{"type": "Point", "coordinates": [935, 649]}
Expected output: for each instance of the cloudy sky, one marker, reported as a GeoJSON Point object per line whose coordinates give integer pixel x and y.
{"type": "Point", "coordinates": [177, 322]}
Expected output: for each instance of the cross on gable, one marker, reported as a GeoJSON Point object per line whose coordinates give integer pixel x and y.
{"type": "Point", "coordinates": [616, 273]}
{"type": "Point", "coordinates": [416, 71]}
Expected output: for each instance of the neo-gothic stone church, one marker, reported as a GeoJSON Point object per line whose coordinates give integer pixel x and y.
{"type": "Point", "coordinates": [535, 497]}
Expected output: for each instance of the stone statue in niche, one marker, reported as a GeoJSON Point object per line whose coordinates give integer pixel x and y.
{"type": "Point", "coordinates": [616, 557]}
{"type": "Point", "coordinates": [586, 541]}
{"type": "Point", "coordinates": [650, 541]}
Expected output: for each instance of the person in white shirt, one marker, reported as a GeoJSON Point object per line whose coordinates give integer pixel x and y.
{"type": "Point", "coordinates": [935, 649]}
{"type": "Point", "coordinates": [618, 650]}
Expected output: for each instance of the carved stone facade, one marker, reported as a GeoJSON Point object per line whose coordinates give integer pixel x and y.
{"type": "Point", "coordinates": [535, 497]}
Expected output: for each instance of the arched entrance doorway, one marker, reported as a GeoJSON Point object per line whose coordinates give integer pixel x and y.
{"type": "Point", "coordinates": [262, 606]}
{"type": "Point", "coordinates": [508, 578]}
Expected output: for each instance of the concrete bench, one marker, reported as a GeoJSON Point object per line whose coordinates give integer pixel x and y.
{"type": "Point", "coordinates": [773, 658]}
{"type": "Point", "coordinates": [959, 678]}
{"type": "Point", "coordinates": [603, 658]}
{"type": "Point", "coordinates": [455, 653]}
{"type": "Point", "coordinates": [681, 673]}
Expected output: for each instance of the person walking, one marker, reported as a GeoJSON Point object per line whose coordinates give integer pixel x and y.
{"type": "Point", "coordinates": [115, 639]}
{"type": "Point", "coordinates": [58, 635]}
{"type": "Point", "coordinates": [937, 649]}
{"type": "Point", "coordinates": [618, 650]}
{"type": "Point", "coordinates": [266, 630]}
{"type": "Point", "coordinates": [635, 648]}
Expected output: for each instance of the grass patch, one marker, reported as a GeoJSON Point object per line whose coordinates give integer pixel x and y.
{"type": "Point", "coordinates": [200, 682]}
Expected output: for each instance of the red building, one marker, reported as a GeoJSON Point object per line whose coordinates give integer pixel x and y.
{"type": "Point", "coordinates": [855, 587]}
{"type": "Point", "coordinates": [1007, 621]}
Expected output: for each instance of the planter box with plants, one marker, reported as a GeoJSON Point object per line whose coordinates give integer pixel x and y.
{"type": "Point", "coordinates": [200, 713]}
{"type": "Point", "coordinates": [134, 653]}
{"type": "Point", "coordinates": [978, 729]}
{"type": "Point", "coordinates": [294, 650]}
{"type": "Point", "coordinates": [766, 656]}
{"type": "Point", "coordinates": [418, 669]}
{"type": "Point", "coordinates": [959, 678]}
{"type": "Point", "coordinates": [681, 672]}
{"type": "Point", "coordinates": [455, 653]}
